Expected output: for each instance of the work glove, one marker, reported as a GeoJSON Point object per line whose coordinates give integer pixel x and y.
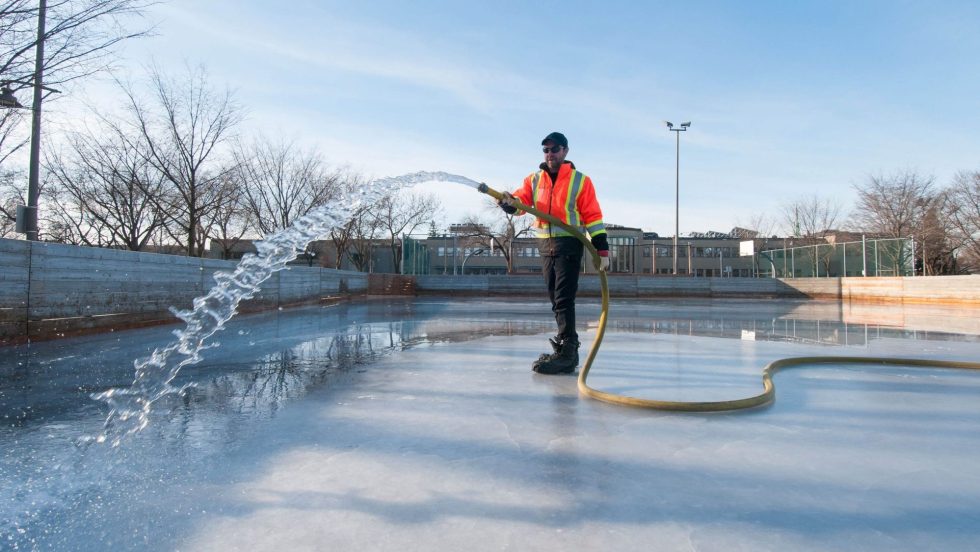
{"type": "Point", "coordinates": [604, 264]}
{"type": "Point", "coordinates": [507, 203]}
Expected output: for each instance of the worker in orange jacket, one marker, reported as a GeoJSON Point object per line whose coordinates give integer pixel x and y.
{"type": "Point", "coordinates": [559, 189]}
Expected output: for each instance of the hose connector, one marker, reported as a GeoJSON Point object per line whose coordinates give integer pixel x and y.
{"type": "Point", "coordinates": [490, 191]}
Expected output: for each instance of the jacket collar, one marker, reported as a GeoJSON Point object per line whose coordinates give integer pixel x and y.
{"type": "Point", "coordinates": [565, 167]}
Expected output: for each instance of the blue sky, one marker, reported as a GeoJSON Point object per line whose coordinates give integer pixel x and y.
{"type": "Point", "coordinates": [786, 99]}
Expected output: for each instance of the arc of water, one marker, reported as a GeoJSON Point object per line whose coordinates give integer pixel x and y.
{"type": "Point", "coordinates": [130, 406]}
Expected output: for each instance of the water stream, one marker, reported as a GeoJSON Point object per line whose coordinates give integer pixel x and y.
{"type": "Point", "coordinates": [130, 406]}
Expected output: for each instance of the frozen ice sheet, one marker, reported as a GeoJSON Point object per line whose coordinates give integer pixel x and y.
{"type": "Point", "coordinates": [436, 435]}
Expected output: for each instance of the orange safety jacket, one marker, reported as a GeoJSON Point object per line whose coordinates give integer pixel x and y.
{"type": "Point", "coordinates": [571, 200]}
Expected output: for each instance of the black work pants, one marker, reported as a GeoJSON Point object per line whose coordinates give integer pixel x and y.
{"type": "Point", "coordinates": [561, 273]}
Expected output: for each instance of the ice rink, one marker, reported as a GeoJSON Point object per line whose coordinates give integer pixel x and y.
{"type": "Point", "coordinates": [417, 425]}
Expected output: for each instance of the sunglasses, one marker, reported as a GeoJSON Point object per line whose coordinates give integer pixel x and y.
{"type": "Point", "coordinates": [552, 149]}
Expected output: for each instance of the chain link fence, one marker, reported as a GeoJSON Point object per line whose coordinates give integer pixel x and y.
{"type": "Point", "coordinates": [874, 257]}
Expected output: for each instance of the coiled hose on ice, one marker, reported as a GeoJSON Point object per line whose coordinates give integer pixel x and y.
{"type": "Point", "coordinates": [769, 391]}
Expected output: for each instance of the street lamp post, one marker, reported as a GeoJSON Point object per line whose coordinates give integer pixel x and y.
{"type": "Point", "coordinates": [677, 185]}
{"type": "Point", "coordinates": [7, 99]}
{"type": "Point", "coordinates": [34, 176]}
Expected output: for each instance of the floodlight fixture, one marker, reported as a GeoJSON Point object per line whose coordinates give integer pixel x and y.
{"type": "Point", "coordinates": [7, 98]}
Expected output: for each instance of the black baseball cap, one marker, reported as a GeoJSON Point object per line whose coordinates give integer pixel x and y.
{"type": "Point", "coordinates": [556, 137]}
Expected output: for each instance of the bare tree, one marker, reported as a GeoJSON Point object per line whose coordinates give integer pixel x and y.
{"type": "Point", "coordinates": [281, 183]}
{"type": "Point", "coordinates": [80, 39]}
{"type": "Point", "coordinates": [810, 217]}
{"type": "Point", "coordinates": [893, 205]}
{"type": "Point", "coordinates": [10, 198]}
{"type": "Point", "coordinates": [182, 129]}
{"type": "Point", "coordinates": [936, 250]}
{"type": "Point", "coordinates": [904, 205]}
{"type": "Point", "coordinates": [72, 223]}
{"type": "Point", "coordinates": [13, 137]}
{"type": "Point", "coordinates": [962, 210]}
{"type": "Point", "coordinates": [361, 231]}
{"type": "Point", "coordinates": [343, 238]}
{"type": "Point", "coordinates": [497, 233]}
{"type": "Point", "coordinates": [13, 193]}
{"type": "Point", "coordinates": [401, 214]}
{"type": "Point", "coordinates": [13, 184]}
{"type": "Point", "coordinates": [228, 218]}
{"type": "Point", "coordinates": [231, 221]}
{"type": "Point", "coordinates": [107, 178]}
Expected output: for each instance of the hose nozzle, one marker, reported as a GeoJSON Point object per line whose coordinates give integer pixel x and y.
{"type": "Point", "coordinates": [490, 191]}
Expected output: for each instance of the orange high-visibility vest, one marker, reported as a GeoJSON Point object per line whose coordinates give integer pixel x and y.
{"type": "Point", "coordinates": [571, 200]}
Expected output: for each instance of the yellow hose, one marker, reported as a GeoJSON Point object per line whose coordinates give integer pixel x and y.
{"type": "Point", "coordinates": [769, 392]}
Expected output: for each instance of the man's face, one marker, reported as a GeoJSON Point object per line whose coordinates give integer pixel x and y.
{"type": "Point", "coordinates": [554, 155]}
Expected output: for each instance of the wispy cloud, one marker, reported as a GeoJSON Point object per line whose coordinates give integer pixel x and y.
{"type": "Point", "coordinates": [382, 53]}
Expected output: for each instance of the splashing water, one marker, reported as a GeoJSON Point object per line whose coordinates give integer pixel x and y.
{"type": "Point", "coordinates": [131, 406]}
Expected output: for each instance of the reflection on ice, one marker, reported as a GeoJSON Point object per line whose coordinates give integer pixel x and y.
{"type": "Point", "coordinates": [817, 322]}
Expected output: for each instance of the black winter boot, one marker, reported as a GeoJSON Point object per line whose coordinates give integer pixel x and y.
{"type": "Point", "coordinates": [555, 349]}
{"type": "Point", "coordinates": [564, 361]}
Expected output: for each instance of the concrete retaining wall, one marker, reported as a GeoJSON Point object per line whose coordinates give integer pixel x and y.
{"type": "Point", "coordinates": [619, 286]}
{"type": "Point", "coordinates": [947, 290]}
{"type": "Point", "coordinates": [937, 289]}
{"type": "Point", "coordinates": [49, 290]}
{"type": "Point", "coordinates": [14, 283]}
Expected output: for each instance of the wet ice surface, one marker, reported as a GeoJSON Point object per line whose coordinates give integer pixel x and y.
{"type": "Point", "coordinates": [417, 425]}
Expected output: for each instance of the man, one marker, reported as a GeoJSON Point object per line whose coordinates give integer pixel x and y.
{"type": "Point", "coordinates": [560, 190]}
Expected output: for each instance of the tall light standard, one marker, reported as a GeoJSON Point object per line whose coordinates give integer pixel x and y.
{"type": "Point", "coordinates": [677, 185]}
{"type": "Point", "coordinates": [27, 216]}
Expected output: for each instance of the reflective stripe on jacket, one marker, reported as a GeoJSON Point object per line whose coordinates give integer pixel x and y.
{"type": "Point", "coordinates": [571, 200]}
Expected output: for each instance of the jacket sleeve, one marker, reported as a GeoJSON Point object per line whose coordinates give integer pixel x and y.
{"type": "Point", "coordinates": [600, 243]}
{"type": "Point", "coordinates": [523, 194]}
{"type": "Point", "coordinates": [591, 213]}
